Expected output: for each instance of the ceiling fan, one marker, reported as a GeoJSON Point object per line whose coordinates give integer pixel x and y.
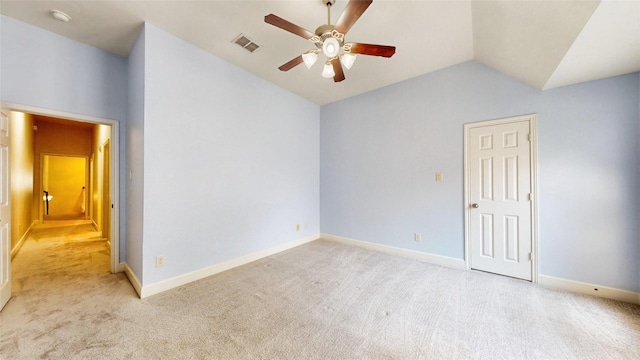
{"type": "Point", "coordinates": [329, 40]}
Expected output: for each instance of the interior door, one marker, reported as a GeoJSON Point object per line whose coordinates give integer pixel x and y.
{"type": "Point", "coordinates": [499, 192]}
{"type": "Point", "coordinates": [5, 212]}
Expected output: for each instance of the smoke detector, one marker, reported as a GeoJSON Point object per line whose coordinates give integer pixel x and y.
{"type": "Point", "coordinates": [60, 16]}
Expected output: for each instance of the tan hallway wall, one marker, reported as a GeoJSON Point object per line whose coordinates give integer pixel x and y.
{"type": "Point", "coordinates": [101, 134]}
{"type": "Point", "coordinates": [21, 162]}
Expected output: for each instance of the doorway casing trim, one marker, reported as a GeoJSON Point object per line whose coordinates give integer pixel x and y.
{"type": "Point", "coordinates": [533, 147]}
{"type": "Point", "coordinates": [116, 266]}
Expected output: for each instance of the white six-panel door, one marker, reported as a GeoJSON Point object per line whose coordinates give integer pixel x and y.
{"type": "Point", "coordinates": [5, 212]}
{"type": "Point", "coordinates": [499, 198]}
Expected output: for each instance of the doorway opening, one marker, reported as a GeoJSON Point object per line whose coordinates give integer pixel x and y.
{"type": "Point", "coordinates": [64, 179]}
{"type": "Point", "coordinates": [73, 170]}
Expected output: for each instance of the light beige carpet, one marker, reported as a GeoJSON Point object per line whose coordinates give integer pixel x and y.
{"type": "Point", "coordinates": [322, 300]}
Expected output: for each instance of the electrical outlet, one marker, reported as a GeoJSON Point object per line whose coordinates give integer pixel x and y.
{"type": "Point", "coordinates": [297, 227]}
{"type": "Point", "coordinates": [417, 237]}
{"type": "Point", "coordinates": [160, 261]}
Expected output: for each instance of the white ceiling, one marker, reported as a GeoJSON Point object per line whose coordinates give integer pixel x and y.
{"type": "Point", "coordinates": [545, 44]}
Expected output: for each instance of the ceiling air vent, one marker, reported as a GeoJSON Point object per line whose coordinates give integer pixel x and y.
{"type": "Point", "coordinates": [246, 43]}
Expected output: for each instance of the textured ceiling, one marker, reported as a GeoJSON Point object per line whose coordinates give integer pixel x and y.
{"type": "Point", "coordinates": [545, 44]}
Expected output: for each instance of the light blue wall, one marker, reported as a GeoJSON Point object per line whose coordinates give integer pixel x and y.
{"type": "Point", "coordinates": [45, 70]}
{"type": "Point", "coordinates": [134, 172]}
{"type": "Point", "coordinates": [231, 162]}
{"type": "Point", "coordinates": [380, 152]}
{"type": "Point", "coordinates": [589, 184]}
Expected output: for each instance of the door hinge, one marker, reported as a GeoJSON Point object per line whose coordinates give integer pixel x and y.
{"type": "Point", "coordinates": [529, 257]}
{"type": "Point", "coordinates": [529, 137]}
{"type": "Point", "coordinates": [529, 196]}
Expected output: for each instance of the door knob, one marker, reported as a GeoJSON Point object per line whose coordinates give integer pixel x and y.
{"type": "Point", "coordinates": [475, 206]}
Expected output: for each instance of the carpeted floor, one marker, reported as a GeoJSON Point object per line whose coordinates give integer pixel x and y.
{"type": "Point", "coordinates": [322, 300]}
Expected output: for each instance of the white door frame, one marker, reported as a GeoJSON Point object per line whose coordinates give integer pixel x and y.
{"type": "Point", "coordinates": [5, 227]}
{"type": "Point", "coordinates": [533, 147]}
{"type": "Point", "coordinates": [115, 167]}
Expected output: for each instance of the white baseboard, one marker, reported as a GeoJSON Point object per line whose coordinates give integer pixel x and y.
{"type": "Point", "coordinates": [121, 267]}
{"type": "Point", "coordinates": [180, 280]}
{"type": "Point", "coordinates": [133, 279]}
{"type": "Point", "coordinates": [589, 289]}
{"type": "Point", "coordinates": [430, 258]}
{"type": "Point", "coordinates": [23, 238]}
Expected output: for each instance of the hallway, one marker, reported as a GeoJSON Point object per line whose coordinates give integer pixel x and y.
{"type": "Point", "coordinates": [56, 253]}
{"type": "Point", "coordinates": [60, 276]}
{"type": "Point", "coordinates": [61, 170]}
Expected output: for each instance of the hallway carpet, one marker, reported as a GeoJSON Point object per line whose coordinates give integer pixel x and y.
{"type": "Point", "coordinates": [321, 300]}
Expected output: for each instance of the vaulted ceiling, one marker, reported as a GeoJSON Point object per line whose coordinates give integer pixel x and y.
{"type": "Point", "coordinates": [545, 44]}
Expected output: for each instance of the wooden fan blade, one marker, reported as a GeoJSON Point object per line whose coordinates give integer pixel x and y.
{"type": "Point", "coordinates": [290, 27]}
{"type": "Point", "coordinates": [337, 69]}
{"type": "Point", "coordinates": [372, 49]}
{"type": "Point", "coordinates": [351, 14]}
{"type": "Point", "coordinates": [291, 64]}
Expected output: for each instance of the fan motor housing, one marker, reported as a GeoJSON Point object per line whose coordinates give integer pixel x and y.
{"type": "Point", "coordinates": [324, 32]}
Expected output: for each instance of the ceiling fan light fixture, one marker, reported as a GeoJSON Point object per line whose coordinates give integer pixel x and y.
{"type": "Point", "coordinates": [330, 40]}
{"type": "Point", "coordinates": [331, 47]}
{"type": "Point", "coordinates": [347, 60]}
{"type": "Point", "coordinates": [327, 71]}
{"type": "Point", "coordinates": [310, 58]}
